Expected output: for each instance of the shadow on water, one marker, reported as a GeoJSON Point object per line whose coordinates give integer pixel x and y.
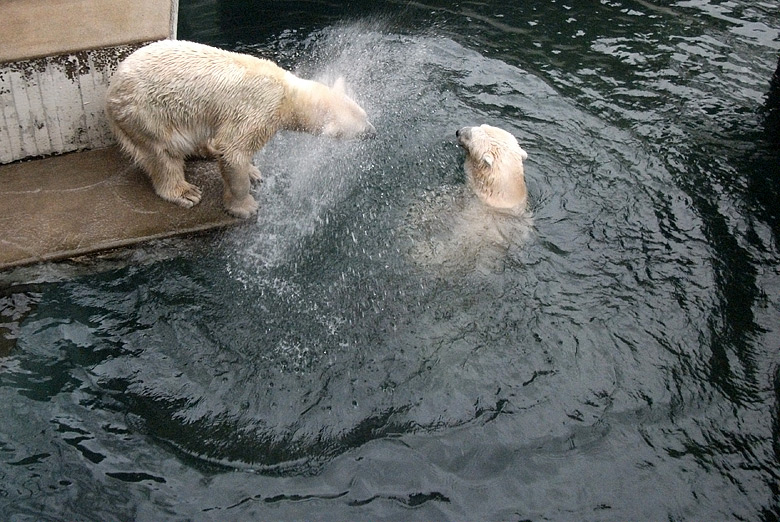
{"type": "Point", "coordinates": [377, 345]}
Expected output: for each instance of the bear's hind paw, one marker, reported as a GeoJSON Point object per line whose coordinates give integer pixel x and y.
{"type": "Point", "coordinates": [242, 209]}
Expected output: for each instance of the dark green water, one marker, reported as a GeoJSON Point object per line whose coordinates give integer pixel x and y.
{"type": "Point", "coordinates": [376, 347]}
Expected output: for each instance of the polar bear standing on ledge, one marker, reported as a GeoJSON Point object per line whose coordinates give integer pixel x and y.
{"type": "Point", "coordinates": [494, 166]}
{"type": "Point", "coordinates": [171, 99]}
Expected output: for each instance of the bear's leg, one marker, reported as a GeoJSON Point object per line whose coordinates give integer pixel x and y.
{"type": "Point", "coordinates": [165, 171]}
{"type": "Point", "coordinates": [167, 176]}
{"type": "Point", "coordinates": [237, 170]}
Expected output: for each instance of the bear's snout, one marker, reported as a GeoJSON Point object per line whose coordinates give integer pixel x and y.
{"type": "Point", "coordinates": [463, 135]}
{"type": "Point", "coordinates": [369, 133]}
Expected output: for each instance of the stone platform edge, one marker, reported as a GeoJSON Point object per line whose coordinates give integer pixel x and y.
{"type": "Point", "coordinates": [85, 202]}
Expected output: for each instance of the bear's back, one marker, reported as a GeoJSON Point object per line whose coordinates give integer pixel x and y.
{"type": "Point", "coordinates": [190, 59]}
{"type": "Point", "coordinates": [196, 81]}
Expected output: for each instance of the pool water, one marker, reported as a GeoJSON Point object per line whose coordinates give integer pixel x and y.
{"type": "Point", "coordinates": [376, 345]}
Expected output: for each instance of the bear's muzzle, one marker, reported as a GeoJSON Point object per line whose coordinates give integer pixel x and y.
{"type": "Point", "coordinates": [369, 133]}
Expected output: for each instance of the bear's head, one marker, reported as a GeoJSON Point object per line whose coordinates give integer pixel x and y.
{"type": "Point", "coordinates": [343, 118]}
{"type": "Point", "coordinates": [319, 109]}
{"type": "Point", "coordinates": [494, 165]}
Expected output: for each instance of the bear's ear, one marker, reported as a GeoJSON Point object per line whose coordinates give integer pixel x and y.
{"type": "Point", "coordinates": [339, 86]}
{"type": "Point", "coordinates": [488, 159]}
{"type": "Point", "coordinates": [523, 154]}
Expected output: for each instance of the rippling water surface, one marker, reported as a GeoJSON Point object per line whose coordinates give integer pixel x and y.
{"type": "Point", "coordinates": [378, 346]}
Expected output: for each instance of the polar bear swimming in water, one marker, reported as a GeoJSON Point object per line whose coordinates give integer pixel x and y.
{"type": "Point", "coordinates": [172, 99]}
{"type": "Point", "coordinates": [454, 232]}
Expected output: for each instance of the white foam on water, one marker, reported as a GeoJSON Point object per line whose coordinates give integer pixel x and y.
{"type": "Point", "coordinates": [453, 233]}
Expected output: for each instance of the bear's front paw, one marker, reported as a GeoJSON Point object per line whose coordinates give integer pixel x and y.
{"type": "Point", "coordinates": [186, 195]}
{"type": "Point", "coordinates": [243, 208]}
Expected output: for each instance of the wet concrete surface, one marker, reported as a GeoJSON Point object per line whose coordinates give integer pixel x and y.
{"type": "Point", "coordinates": [86, 202]}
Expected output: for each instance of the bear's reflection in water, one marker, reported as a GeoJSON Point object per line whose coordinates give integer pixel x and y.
{"type": "Point", "coordinates": [453, 233]}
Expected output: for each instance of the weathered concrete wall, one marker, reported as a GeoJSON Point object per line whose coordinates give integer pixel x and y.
{"type": "Point", "coordinates": [57, 59]}
{"type": "Point", "coordinates": [54, 104]}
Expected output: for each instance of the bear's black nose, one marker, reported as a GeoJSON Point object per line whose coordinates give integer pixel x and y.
{"type": "Point", "coordinates": [457, 133]}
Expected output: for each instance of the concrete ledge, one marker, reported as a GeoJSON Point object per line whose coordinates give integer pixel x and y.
{"type": "Point", "coordinates": [84, 202]}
